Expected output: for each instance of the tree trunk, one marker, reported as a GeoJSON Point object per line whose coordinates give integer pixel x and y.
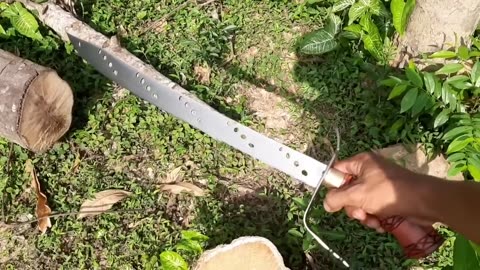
{"type": "Point", "coordinates": [435, 25]}
{"type": "Point", "coordinates": [35, 103]}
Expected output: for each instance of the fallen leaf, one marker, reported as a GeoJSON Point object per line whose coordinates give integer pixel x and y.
{"type": "Point", "coordinates": [180, 187]}
{"type": "Point", "coordinates": [103, 201]}
{"type": "Point", "coordinates": [174, 176]}
{"type": "Point", "coordinates": [42, 208]}
{"type": "Point", "coordinates": [202, 74]}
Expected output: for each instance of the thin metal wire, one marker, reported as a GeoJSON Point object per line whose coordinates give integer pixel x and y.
{"type": "Point", "coordinates": [312, 200]}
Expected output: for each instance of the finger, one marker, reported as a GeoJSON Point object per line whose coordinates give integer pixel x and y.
{"type": "Point", "coordinates": [355, 213]}
{"type": "Point", "coordinates": [374, 223]}
{"type": "Point", "coordinates": [336, 199]}
{"type": "Point", "coordinates": [352, 165]}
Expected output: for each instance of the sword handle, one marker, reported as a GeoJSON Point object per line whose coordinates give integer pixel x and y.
{"type": "Point", "coordinates": [416, 241]}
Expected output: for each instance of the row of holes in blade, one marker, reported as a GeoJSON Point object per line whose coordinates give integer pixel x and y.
{"type": "Point", "coordinates": [193, 112]}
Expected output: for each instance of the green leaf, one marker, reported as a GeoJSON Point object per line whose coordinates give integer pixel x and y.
{"type": "Point", "coordinates": [341, 5]}
{"type": "Point", "coordinates": [475, 172]}
{"type": "Point", "coordinates": [172, 261]}
{"type": "Point", "coordinates": [441, 118]}
{"type": "Point", "coordinates": [463, 52]}
{"type": "Point", "coordinates": [429, 82]}
{"type": "Point", "coordinates": [397, 91]}
{"type": "Point", "coordinates": [25, 23]}
{"type": "Point", "coordinates": [397, 7]}
{"type": "Point", "coordinates": [464, 256]}
{"type": "Point", "coordinates": [449, 69]}
{"type": "Point", "coordinates": [334, 24]}
{"type": "Point", "coordinates": [301, 202]}
{"type": "Point", "coordinates": [12, 11]}
{"type": "Point", "coordinates": [453, 133]}
{"type": "Point", "coordinates": [193, 235]}
{"type": "Point", "coordinates": [456, 157]}
{"type": "Point", "coordinates": [295, 232]}
{"type": "Point", "coordinates": [396, 126]}
{"type": "Point", "coordinates": [475, 75]}
{"type": "Point", "coordinates": [318, 42]}
{"type": "Point", "coordinates": [375, 6]}
{"type": "Point", "coordinates": [408, 100]}
{"type": "Point", "coordinates": [354, 28]}
{"type": "Point", "coordinates": [189, 245]}
{"type": "Point", "coordinates": [2, 31]}
{"type": "Point", "coordinates": [438, 87]}
{"type": "Point", "coordinates": [408, 9]}
{"type": "Point", "coordinates": [474, 53]}
{"type": "Point", "coordinates": [414, 77]}
{"type": "Point", "coordinates": [390, 82]}
{"type": "Point", "coordinates": [443, 54]}
{"type": "Point", "coordinates": [141, 15]}
{"type": "Point", "coordinates": [456, 168]}
{"type": "Point", "coordinates": [373, 41]}
{"type": "Point", "coordinates": [356, 11]}
{"type": "Point", "coordinates": [458, 144]}
{"type": "Point", "coordinates": [419, 104]}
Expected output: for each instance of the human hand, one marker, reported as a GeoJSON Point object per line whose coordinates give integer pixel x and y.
{"type": "Point", "coordinates": [381, 188]}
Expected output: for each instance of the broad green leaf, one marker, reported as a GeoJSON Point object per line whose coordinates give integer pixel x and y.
{"type": "Point", "coordinates": [348, 35]}
{"type": "Point", "coordinates": [172, 261]}
{"type": "Point", "coordinates": [2, 31]}
{"type": "Point", "coordinates": [295, 232]}
{"type": "Point", "coordinates": [463, 52]}
{"type": "Point", "coordinates": [391, 81]}
{"type": "Point", "coordinates": [408, 100]}
{"type": "Point", "coordinates": [318, 42]}
{"type": "Point", "coordinates": [193, 235]}
{"type": "Point", "coordinates": [441, 118]}
{"type": "Point", "coordinates": [372, 41]}
{"type": "Point", "coordinates": [459, 81]}
{"type": "Point", "coordinates": [414, 77]}
{"type": "Point", "coordinates": [438, 87]}
{"type": "Point", "coordinates": [474, 53]}
{"type": "Point", "coordinates": [475, 75]}
{"type": "Point", "coordinates": [383, 10]}
{"type": "Point", "coordinates": [454, 132]}
{"type": "Point", "coordinates": [420, 103]}
{"type": "Point", "coordinates": [408, 9]}
{"type": "Point", "coordinates": [354, 28]}
{"type": "Point", "coordinates": [474, 171]}
{"type": "Point", "coordinates": [375, 6]}
{"type": "Point", "coordinates": [341, 5]}
{"type": "Point", "coordinates": [464, 256]}
{"type": "Point", "coordinates": [25, 23]}
{"type": "Point", "coordinates": [12, 11]}
{"type": "Point", "coordinates": [189, 245]}
{"type": "Point", "coordinates": [334, 24]}
{"type": "Point", "coordinates": [396, 126]}
{"type": "Point", "coordinates": [443, 54]}
{"type": "Point", "coordinates": [302, 202]}
{"type": "Point", "coordinates": [372, 46]}
{"type": "Point", "coordinates": [396, 7]}
{"type": "Point", "coordinates": [458, 144]}
{"type": "Point", "coordinates": [449, 69]}
{"type": "Point", "coordinates": [429, 82]}
{"type": "Point", "coordinates": [456, 168]}
{"type": "Point", "coordinates": [397, 91]}
{"type": "Point", "coordinates": [456, 157]}
{"type": "Point", "coordinates": [141, 14]}
{"type": "Point", "coordinates": [3, 6]}
{"type": "Point", "coordinates": [356, 11]}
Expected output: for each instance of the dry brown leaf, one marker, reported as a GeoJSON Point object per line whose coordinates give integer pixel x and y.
{"type": "Point", "coordinates": [174, 176]}
{"type": "Point", "coordinates": [42, 208]}
{"type": "Point", "coordinates": [202, 73]}
{"type": "Point", "coordinates": [180, 187]}
{"type": "Point", "coordinates": [103, 201]}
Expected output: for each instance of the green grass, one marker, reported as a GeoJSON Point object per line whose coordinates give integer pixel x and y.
{"type": "Point", "coordinates": [123, 143]}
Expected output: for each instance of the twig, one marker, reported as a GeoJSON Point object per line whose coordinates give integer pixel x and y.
{"type": "Point", "coordinates": [63, 214]}
{"type": "Point", "coordinates": [8, 169]}
{"type": "Point", "coordinates": [206, 3]}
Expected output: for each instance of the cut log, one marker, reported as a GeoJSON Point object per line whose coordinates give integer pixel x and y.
{"type": "Point", "coordinates": [436, 25]}
{"type": "Point", "coordinates": [35, 103]}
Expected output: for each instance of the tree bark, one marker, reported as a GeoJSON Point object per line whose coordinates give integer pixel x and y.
{"type": "Point", "coordinates": [436, 25]}
{"type": "Point", "coordinates": [35, 103]}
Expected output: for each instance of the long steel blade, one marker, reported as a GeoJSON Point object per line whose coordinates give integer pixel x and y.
{"type": "Point", "coordinates": [172, 98]}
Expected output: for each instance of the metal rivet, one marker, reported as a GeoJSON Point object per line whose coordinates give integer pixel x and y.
{"type": "Point", "coordinates": [149, 88]}
{"type": "Point", "coordinates": [115, 72]}
{"type": "Point", "coordinates": [296, 163]}
{"type": "Point", "coordinates": [155, 96]}
{"type": "Point", "coordinates": [243, 136]}
{"type": "Point", "coordinates": [110, 64]}
{"type": "Point", "coordinates": [142, 81]}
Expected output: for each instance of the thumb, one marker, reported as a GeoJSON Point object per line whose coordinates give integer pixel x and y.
{"type": "Point", "coordinates": [353, 165]}
{"type": "Point", "coordinates": [336, 199]}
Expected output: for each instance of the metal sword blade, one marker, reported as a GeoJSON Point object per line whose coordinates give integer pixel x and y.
{"type": "Point", "coordinates": [172, 98]}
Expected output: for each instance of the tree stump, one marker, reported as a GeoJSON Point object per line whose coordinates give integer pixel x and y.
{"type": "Point", "coordinates": [35, 103]}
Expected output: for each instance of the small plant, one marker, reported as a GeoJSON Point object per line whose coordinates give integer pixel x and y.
{"type": "Point", "coordinates": [18, 19]}
{"type": "Point", "coordinates": [444, 102]}
{"type": "Point", "coordinates": [364, 18]}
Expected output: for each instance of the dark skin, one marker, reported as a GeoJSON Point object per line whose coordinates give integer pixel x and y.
{"type": "Point", "coordinates": [383, 188]}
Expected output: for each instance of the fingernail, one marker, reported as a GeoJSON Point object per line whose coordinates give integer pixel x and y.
{"type": "Point", "coordinates": [357, 215]}
{"type": "Point", "coordinates": [327, 207]}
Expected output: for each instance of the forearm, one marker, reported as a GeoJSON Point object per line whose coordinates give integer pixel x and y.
{"type": "Point", "coordinates": [453, 203]}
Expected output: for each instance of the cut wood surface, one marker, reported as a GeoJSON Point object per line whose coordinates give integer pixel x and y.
{"type": "Point", "coordinates": [35, 103]}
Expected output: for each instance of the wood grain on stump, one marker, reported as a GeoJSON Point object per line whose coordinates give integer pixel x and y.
{"type": "Point", "coordinates": [35, 103]}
